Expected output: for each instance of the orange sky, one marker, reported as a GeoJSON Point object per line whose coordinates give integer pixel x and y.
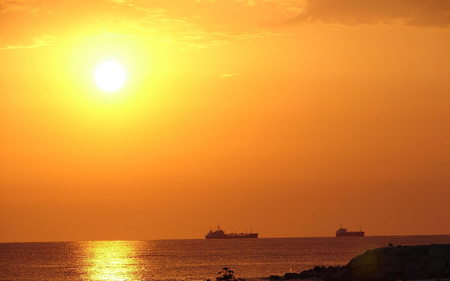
{"type": "Point", "coordinates": [290, 117]}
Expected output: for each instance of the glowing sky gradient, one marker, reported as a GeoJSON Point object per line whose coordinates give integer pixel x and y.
{"type": "Point", "coordinates": [288, 116]}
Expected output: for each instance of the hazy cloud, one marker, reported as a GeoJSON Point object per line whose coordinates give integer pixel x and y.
{"type": "Point", "coordinates": [198, 23]}
{"type": "Point", "coordinates": [420, 13]}
{"type": "Point", "coordinates": [25, 23]}
{"type": "Point", "coordinates": [192, 24]}
{"type": "Point", "coordinates": [38, 42]}
{"type": "Point", "coordinates": [229, 75]}
{"type": "Point", "coordinates": [292, 5]}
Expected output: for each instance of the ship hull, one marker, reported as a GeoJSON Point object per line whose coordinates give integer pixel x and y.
{"type": "Point", "coordinates": [228, 236]}
{"type": "Point", "coordinates": [351, 234]}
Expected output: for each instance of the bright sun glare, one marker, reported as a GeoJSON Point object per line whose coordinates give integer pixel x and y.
{"type": "Point", "coordinates": [110, 76]}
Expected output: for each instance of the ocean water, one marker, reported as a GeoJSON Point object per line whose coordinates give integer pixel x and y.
{"type": "Point", "coordinates": [198, 259]}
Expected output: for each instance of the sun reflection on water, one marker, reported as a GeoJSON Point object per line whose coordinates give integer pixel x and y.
{"type": "Point", "coordinates": [111, 260]}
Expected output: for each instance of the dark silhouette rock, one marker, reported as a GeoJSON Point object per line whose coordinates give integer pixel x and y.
{"type": "Point", "coordinates": [274, 277]}
{"type": "Point", "coordinates": [365, 270]}
{"type": "Point", "coordinates": [290, 275]}
{"type": "Point", "coordinates": [305, 274]}
{"type": "Point", "coordinates": [388, 263]}
{"type": "Point", "coordinates": [412, 254]}
{"type": "Point", "coordinates": [393, 271]}
{"type": "Point", "coordinates": [341, 273]}
{"type": "Point", "coordinates": [436, 266]}
{"type": "Point", "coordinates": [367, 259]}
{"type": "Point", "coordinates": [390, 259]}
{"type": "Point", "coordinates": [415, 266]}
{"type": "Point", "coordinates": [396, 250]}
{"type": "Point", "coordinates": [439, 252]}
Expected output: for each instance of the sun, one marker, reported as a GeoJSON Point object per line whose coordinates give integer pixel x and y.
{"type": "Point", "coordinates": [109, 76]}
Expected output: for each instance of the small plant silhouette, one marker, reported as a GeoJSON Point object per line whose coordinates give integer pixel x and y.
{"type": "Point", "coordinates": [227, 274]}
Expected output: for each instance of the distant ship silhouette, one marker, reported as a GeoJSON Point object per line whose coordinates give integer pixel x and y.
{"type": "Point", "coordinates": [220, 234]}
{"type": "Point", "coordinates": [342, 232]}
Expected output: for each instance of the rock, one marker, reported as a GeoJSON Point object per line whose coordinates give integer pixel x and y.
{"type": "Point", "coordinates": [411, 254]}
{"type": "Point", "coordinates": [424, 249]}
{"type": "Point", "coordinates": [377, 252]}
{"type": "Point", "coordinates": [435, 266]}
{"type": "Point", "coordinates": [388, 263]}
{"type": "Point", "coordinates": [439, 252]}
{"type": "Point", "coordinates": [415, 266]}
{"type": "Point", "coordinates": [396, 251]}
{"type": "Point", "coordinates": [394, 272]}
{"type": "Point", "coordinates": [365, 270]}
{"type": "Point", "coordinates": [305, 274]}
{"type": "Point", "coordinates": [319, 269]}
{"type": "Point", "coordinates": [363, 260]}
{"type": "Point", "coordinates": [343, 272]}
{"type": "Point", "coordinates": [290, 275]}
{"type": "Point", "coordinates": [331, 269]}
{"type": "Point", "coordinates": [391, 259]}
{"type": "Point", "coordinates": [378, 275]}
{"type": "Point", "coordinates": [424, 259]}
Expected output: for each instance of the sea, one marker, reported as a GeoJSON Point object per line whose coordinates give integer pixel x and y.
{"type": "Point", "coordinates": [196, 259]}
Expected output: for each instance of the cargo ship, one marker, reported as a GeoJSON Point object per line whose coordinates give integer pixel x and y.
{"type": "Point", "coordinates": [342, 232]}
{"type": "Point", "coordinates": [220, 234]}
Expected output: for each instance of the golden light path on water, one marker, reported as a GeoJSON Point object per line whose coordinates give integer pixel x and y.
{"type": "Point", "coordinates": [112, 260]}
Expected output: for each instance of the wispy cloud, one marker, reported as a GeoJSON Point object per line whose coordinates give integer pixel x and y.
{"type": "Point", "coordinates": [38, 42]}
{"type": "Point", "coordinates": [419, 13]}
{"type": "Point", "coordinates": [191, 24]}
{"type": "Point", "coordinates": [23, 21]}
{"type": "Point", "coordinates": [281, 3]}
{"type": "Point", "coordinates": [228, 75]}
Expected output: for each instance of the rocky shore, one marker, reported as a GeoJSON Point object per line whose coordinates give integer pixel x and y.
{"type": "Point", "coordinates": [388, 263]}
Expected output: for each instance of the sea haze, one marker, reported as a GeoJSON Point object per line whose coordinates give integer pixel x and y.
{"type": "Point", "coordinates": [201, 259]}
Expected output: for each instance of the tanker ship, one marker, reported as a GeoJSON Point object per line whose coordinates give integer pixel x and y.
{"type": "Point", "coordinates": [220, 234]}
{"type": "Point", "coordinates": [342, 232]}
